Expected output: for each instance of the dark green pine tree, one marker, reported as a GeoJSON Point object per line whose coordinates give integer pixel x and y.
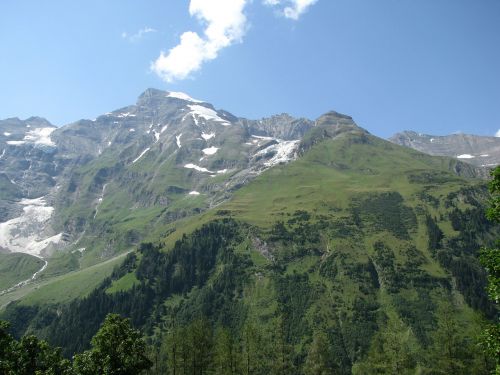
{"type": "Point", "coordinates": [282, 356]}
{"type": "Point", "coordinates": [449, 352]}
{"type": "Point", "coordinates": [226, 353]}
{"type": "Point", "coordinates": [318, 356]}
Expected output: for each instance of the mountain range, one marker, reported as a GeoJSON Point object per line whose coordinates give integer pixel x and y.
{"type": "Point", "coordinates": [477, 150]}
{"type": "Point", "coordinates": [170, 208]}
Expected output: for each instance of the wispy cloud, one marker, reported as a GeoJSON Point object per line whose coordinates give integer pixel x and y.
{"type": "Point", "coordinates": [225, 24]}
{"type": "Point", "coordinates": [291, 9]}
{"type": "Point", "coordinates": [497, 134]}
{"type": "Point", "coordinates": [138, 35]}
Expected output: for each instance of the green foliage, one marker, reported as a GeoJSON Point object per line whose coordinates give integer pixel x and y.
{"type": "Point", "coordinates": [490, 258]}
{"type": "Point", "coordinates": [29, 356]}
{"type": "Point", "coordinates": [117, 349]}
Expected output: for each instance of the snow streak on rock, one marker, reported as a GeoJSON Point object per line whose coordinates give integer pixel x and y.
{"type": "Point", "coordinates": [140, 155]}
{"type": "Point", "coordinates": [198, 168]}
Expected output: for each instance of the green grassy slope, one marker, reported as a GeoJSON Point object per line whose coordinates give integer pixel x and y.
{"type": "Point", "coordinates": [354, 237]}
{"type": "Point", "coordinates": [17, 267]}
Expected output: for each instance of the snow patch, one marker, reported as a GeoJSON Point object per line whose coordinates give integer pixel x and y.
{"type": "Point", "coordinates": [484, 155]}
{"type": "Point", "coordinates": [131, 130]}
{"type": "Point", "coordinates": [210, 150]}
{"type": "Point", "coordinates": [109, 143]}
{"type": "Point", "coordinates": [23, 234]}
{"type": "Point", "coordinates": [7, 134]}
{"type": "Point", "coordinates": [207, 114]}
{"type": "Point", "coordinates": [198, 168]}
{"type": "Point", "coordinates": [207, 136]}
{"type": "Point", "coordinates": [183, 96]}
{"type": "Point", "coordinates": [178, 140]}
{"type": "Point", "coordinates": [125, 114]}
{"type": "Point", "coordinates": [465, 156]}
{"type": "Point", "coordinates": [163, 129]}
{"type": "Point", "coordinates": [140, 155]}
{"type": "Point", "coordinates": [222, 171]}
{"type": "Point", "coordinates": [194, 193]}
{"type": "Point", "coordinates": [37, 136]}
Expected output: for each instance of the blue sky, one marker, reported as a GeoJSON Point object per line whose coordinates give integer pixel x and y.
{"type": "Point", "coordinates": [428, 65]}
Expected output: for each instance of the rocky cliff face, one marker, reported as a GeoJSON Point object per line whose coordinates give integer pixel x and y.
{"type": "Point", "coordinates": [477, 150]}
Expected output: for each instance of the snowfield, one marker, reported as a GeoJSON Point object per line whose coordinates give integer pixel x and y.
{"type": "Point", "coordinates": [284, 152]}
{"type": "Point", "coordinates": [183, 96]}
{"type": "Point", "coordinates": [23, 234]}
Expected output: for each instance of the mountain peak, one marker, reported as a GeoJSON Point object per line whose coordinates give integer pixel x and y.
{"type": "Point", "coordinates": [338, 122]}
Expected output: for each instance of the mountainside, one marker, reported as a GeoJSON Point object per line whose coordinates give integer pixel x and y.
{"type": "Point", "coordinates": [281, 231]}
{"type": "Point", "coordinates": [96, 186]}
{"type": "Point", "coordinates": [478, 150]}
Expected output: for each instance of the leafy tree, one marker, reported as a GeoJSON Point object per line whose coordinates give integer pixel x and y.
{"type": "Point", "coordinates": [6, 354]}
{"type": "Point", "coordinates": [117, 349]}
{"type": "Point", "coordinates": [29, 356]}
{"type": "Point", "coordinates": [36, 356]}
{"type": "Point", "coordinates": [490, 258]}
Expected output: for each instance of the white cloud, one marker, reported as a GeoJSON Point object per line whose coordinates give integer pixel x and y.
{"type": "Point", "coordinates": [497, 134]}
{"type": "Point", "coordinates": [293, 9]}
{"type": "Point", "coordinates": [225, 24]}
{"type": "Point", "coordinates": [138, 35]}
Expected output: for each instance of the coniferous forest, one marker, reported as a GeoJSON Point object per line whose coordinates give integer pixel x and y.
{"type": "Point", "coordinates": [209, 305]}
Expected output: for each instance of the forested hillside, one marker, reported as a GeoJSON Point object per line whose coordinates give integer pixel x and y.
{"type": "Point", "coordinates": [358, 257]}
